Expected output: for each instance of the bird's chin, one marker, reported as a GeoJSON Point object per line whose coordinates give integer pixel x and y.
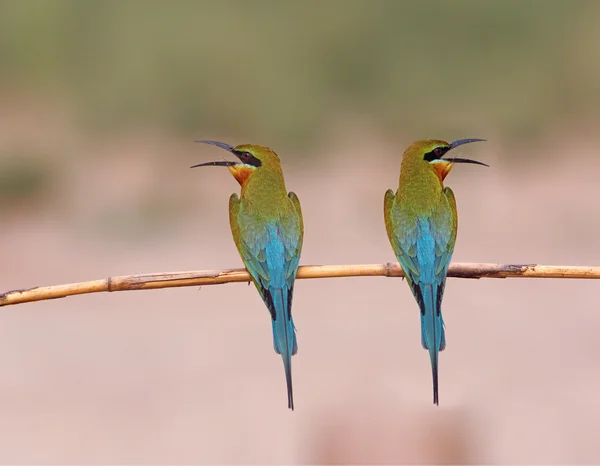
{"type": "Point", "coordinates": [442, 168]}
{"type": "Point", "coordinates": [241, 172]}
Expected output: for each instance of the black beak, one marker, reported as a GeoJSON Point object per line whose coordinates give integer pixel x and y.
{"type": "Point", "coordinates": [460, 142]}
{"type": "Point", "coordinates": [223, 163]}
{"type": "Point", "coordinates": [227, 147]}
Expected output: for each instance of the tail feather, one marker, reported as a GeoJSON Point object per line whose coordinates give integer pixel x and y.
{"type": "Point", "coordinates": [433, 337]}
{"type": "Point", "coordinates": [284, 337]}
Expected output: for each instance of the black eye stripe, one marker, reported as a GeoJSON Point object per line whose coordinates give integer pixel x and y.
{"type": "Point", "coordinates": [248, 158]}
{"type": "Point", "coordinates": [436, 153]}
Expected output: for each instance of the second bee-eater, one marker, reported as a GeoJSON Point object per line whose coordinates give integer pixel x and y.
{"type": "Point", "coordinates": [421, 223]}
{"type": "Point", "coordinates": [266, 223]}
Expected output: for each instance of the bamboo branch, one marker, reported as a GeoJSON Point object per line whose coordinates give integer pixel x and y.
{"type": "Point", "coordinates": [216, 277]}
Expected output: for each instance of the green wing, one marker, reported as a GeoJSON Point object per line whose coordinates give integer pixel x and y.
{"type": "Point", "coordinates": [299, 234]}
{"type": "Point", "coordinates": [452, 202]}
{"type": "Point", "coordinates": [388, 203]}
{"type": "Point", "coordinates": [411, 234]}
{"type": "Point", "coordinates": [270, 249]}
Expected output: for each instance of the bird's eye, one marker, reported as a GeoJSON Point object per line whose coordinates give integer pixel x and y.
{"type": "Point", "coordinates": [248, 159]}
{"type": "Point", "coordinates": [436, 153]}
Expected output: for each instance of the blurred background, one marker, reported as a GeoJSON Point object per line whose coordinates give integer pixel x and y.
{"type": "Point", "coordinates": [100, 103]}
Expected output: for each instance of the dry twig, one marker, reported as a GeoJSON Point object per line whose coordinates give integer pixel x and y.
{"type": "Point", "coordinates": [216, 277]}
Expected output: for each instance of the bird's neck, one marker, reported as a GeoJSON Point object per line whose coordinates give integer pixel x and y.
{"type": "Point", "coordinates": [420, 186]}
{"type": "Point", "coordinates": [265, 186]}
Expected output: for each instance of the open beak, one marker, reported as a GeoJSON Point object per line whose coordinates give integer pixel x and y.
{"type": "Point", "coordinates": [460, 142]}
{"type": "Point", "coordinates": [222, 163]}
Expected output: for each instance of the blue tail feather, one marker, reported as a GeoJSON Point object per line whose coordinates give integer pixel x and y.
{"type": "Point", "coordinates": [433, 337]}
{"type": "Point", "coordinates": [284, 337]}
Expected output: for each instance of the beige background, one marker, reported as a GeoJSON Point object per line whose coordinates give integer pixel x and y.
{"type": "Point", "coordinates": [188, 375]}
{"type": "Point", "coordinates": [100, 103]}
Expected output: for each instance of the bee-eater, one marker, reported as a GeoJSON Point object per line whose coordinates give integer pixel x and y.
{"type": "Point", "coordinates": [267, 227]}
{"type": "Point", "coordinates": [421, 223]}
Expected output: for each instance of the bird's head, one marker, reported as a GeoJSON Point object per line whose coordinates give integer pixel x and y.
{"type": "Point", "coordinates": [432, 153]}
{"type": "Point", "coordinates": [251, 159]}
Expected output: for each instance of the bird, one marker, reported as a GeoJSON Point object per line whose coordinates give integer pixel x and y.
{"type": "Point", "coordinates": [421, 223]}
{"type": "Point", "coordinates": [268, 230]}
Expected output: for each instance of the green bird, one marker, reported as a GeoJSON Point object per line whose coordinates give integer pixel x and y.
{"type": "Point", "coordinates": [421, 223]}
{"type": "Point", "coordinates": [267, 227]}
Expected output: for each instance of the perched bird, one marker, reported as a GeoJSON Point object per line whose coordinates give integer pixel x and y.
{"type": "Point", "coordinates": [421, 223]}
{"type": "Point", "coordinates": [267, 227]}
